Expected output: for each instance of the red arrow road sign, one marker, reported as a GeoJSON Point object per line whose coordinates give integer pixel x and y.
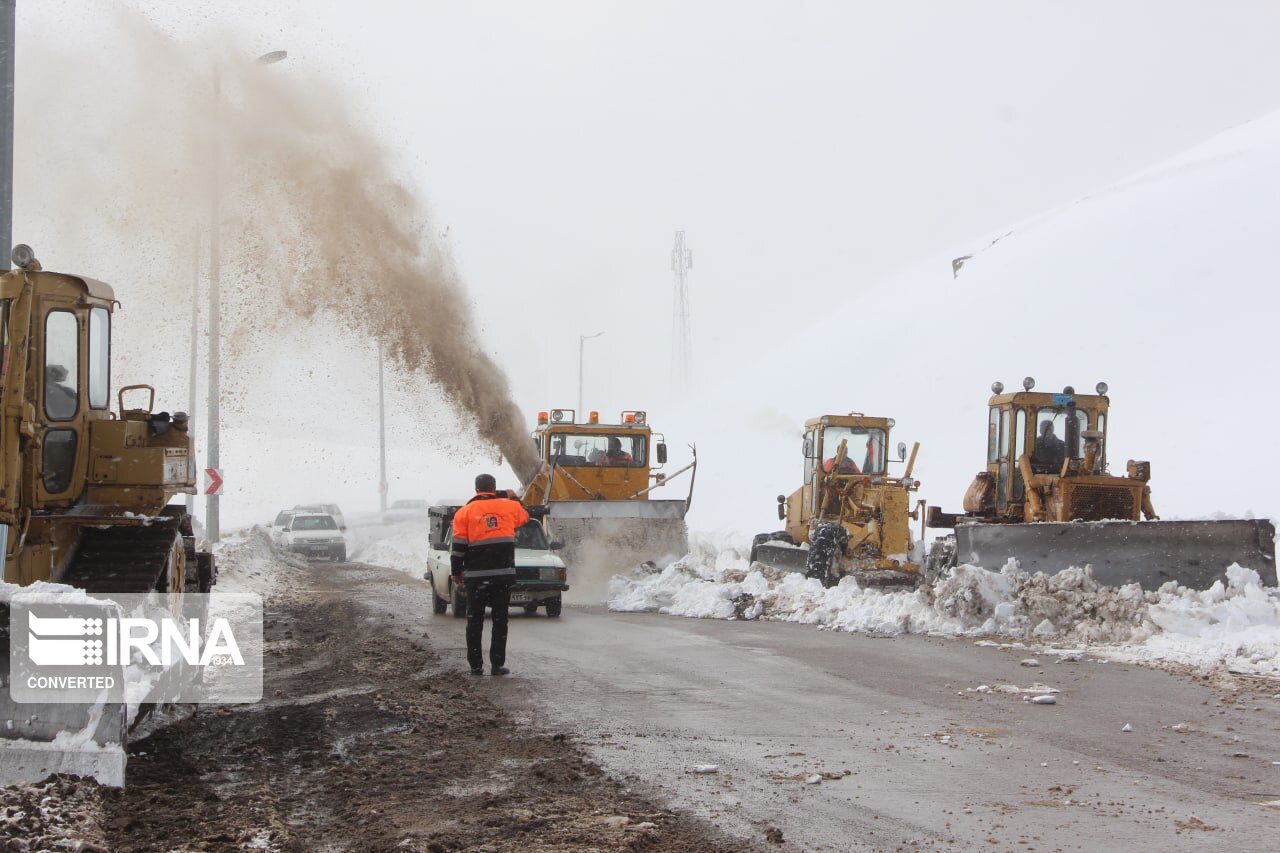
{"type": "Point", "coordinates": [213, 480]}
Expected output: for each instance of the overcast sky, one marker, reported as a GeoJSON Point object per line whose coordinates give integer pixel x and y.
{"type": "Point", "coordinates": [808, 149]}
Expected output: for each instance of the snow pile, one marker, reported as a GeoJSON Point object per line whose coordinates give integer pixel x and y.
{"type": "Point", "coordinates": [404, 545]}
{"type": "Point", "coordinates": [247, 561]}
{"type": "Point", "coordinates": [1234, 625]}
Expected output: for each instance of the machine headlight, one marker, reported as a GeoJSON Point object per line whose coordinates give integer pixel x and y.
{"type": "Point", "coordinates": [1028, 383]}
{"type": "Point", "coordinates": [1101, 389]}
{"type": "Point", "coordinates": [997, 387]}
{"type": "Point", "coordinates": [548, 573]}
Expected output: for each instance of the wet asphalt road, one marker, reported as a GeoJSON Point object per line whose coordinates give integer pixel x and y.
{"type": "Point", "coordinates": [907, 752]}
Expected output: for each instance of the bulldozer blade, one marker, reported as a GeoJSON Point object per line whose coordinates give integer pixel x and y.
{"type": "Point", "coordinates": [1148, 553]}
{"type": "Point", "coordinates": [619, 509]}
{"type": "Point", "coordinates": [43, 738]}
{"type": "Point", "coordinates": [788, 558]}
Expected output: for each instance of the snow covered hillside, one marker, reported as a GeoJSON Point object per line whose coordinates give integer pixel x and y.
{"type": "Point", "coordinates": [1159, 285]}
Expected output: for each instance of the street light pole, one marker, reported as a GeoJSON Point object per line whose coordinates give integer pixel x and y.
{"type": "Point", "coordinates": [212, 459]}
{"type": "Point", "coordinates": [582, 339]}
{"type": "Point", "coordinates": [382, 440]}
{"type": "Point", "coordinates": [215, 298]}
{"type": "Point", "coordinates": [195, 338]}
{"type": "Point", "coordinates": [8, 12]}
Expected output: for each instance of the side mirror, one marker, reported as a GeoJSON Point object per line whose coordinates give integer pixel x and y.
{"type": "Point", "coordinates": [556, 545]}
{"type": "Point", "coordinates": [662, 453]}
{"type": "Point", "coordinates": [782, 507]}
{"type": "Point", "coordinates": [902, 450]}
{"type": "Point", "coordinates": [807, 449]}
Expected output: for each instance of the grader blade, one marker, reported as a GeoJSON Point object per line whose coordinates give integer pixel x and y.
{"type": "Point", "coordinates": [1149, 553]}
{"type": "Point", "coordinates": [788, 558]}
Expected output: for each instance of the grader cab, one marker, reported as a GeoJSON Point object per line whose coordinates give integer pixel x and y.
{"type": "Point", "coordinates": [851, 516]}
{"type": "Point", "coordinates": [598, 480]}
{"type": "Point", "coordinates": [1048, 500]}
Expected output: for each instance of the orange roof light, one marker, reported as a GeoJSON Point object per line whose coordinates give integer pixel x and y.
{"type": "Point", "coordinates": [593, 418]}
{"type": "Point", "coordinates": [629, 418]}
{"type": "Point", "coordinates": [542, 417]}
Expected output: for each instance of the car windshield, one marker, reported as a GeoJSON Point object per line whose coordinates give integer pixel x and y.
{"type": "Point", "coordinates": [531, 536]}
{"type": "Point", "coordinates": [314, 522]}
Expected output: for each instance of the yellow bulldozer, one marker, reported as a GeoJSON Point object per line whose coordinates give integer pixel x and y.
{"type": "Point", "coordinates": [84, 489]}
{"type": "Point", "coordinates": [851, 517]}
{"type": "Point", "coordinates": [597, 482]}
{"type": "Point", "coordinates": [1048, 500]}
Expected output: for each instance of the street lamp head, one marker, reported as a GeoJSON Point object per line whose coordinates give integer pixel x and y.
{"type": "Point", "coordinates": [272, 57]}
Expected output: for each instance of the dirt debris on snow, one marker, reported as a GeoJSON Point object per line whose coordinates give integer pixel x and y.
{"type": "Point", "coordinates": [61, 813]}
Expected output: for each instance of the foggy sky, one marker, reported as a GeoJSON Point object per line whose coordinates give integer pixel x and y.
{"type": "Point", "coordinates": [808, 149]}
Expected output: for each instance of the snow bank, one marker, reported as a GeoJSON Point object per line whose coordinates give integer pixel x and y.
{"type": "Point", "coordinates": [247, 561]}
{"type": "Point", "coordinates": [1234, 625]}
{"type": "Point", "coordinates": [404, 545]}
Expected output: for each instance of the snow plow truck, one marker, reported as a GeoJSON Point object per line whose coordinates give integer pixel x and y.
{"type": "Point", "coordinates": [1048, 500]}
{"type": "Point", "coordinates": [597, 482]}
{"type": "Point", "coordinates": [851, 517]}
{"type": "Point", "coordinates": [84, 500]}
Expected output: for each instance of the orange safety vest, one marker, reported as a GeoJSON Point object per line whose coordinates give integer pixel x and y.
{"type": "Point", "coordinates": [484, 536]}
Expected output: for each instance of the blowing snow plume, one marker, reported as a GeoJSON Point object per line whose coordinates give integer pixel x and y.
{"type": "Point", "coordinates": [316, 227]}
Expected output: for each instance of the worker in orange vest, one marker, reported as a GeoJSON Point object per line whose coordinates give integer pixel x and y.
{"type": "Point", "coordinates": [483, 559]}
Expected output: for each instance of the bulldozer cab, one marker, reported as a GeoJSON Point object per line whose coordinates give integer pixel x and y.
{"type": "Point", "coordinates": [1063, 431]}
{"type": "Point", "coordinates": [66, 458]}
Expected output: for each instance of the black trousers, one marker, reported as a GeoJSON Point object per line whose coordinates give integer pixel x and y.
{"type": "Point", "coordinates": [496, 595]}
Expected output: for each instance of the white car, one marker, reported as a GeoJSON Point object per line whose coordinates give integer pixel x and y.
{"type": "Point", "coordinates": [315, 535]}
{"type": "Point", "coordinates": [280, 525]}
{"type": "Point", "coordinates": [540, 575]}
{"type": "Point", "coordinates": [331, 509]}
{"type": "Point", "coordinates": [406, 510]}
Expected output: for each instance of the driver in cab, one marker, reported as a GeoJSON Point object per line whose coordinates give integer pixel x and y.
{"type": "Point", "coordinates": [615, 455]}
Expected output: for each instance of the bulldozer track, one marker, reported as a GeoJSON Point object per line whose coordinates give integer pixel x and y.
{"type": "Point", "coordinates": [124, 559]}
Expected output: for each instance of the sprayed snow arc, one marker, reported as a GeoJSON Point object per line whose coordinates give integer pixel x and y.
{"type": "Point", "coordinates": [1233, 626]}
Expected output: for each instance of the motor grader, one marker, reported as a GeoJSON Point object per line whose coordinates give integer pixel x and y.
{"type": "Point", "coordinates": [597, 482]}
{"type": "Point", "coordinates": [1047, 499]}
{"type": "Point", "coordinates": [851, 516]}
{"type": "Point", "coordinates": [84, 488]}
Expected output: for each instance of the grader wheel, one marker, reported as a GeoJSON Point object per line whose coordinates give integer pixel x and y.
{"type": "Point", "coordinates": [827, 542]}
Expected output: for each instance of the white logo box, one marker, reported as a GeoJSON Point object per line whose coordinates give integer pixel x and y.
{"type": "Point", "coordinates": [154, 648]}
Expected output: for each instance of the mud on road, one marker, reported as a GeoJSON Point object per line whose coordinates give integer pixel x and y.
{"type": "Point", "coordinates": [364, 740]}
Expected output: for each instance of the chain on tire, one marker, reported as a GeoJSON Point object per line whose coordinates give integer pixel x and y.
{"type": "Point", "coordinates": [826, 542]}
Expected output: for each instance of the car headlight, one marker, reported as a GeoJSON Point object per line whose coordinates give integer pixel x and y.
{"type": "Point", "coordinates": [548, 573]}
